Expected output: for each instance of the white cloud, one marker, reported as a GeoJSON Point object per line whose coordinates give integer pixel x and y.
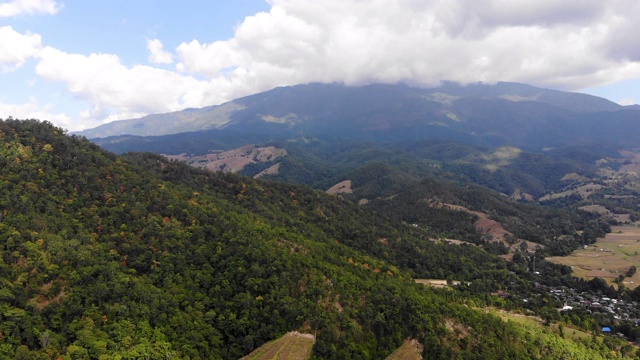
{"type": "Point", "coordinates": [157, 55]}
{"type": "Point", "coordinates": [627, 101]}
{"type": "Point", "coordinates": [19, 7]}
{"type": "Point", "coordinates": [33, 110]}
{"type": "Point", "coordinates": [115, 91]}
{"type": "Point", "coordinates": [557, 44]}
{"type": "Point", "coordinates": [16, 48]}
{"type": "Point", "coordinates": [570, 45]}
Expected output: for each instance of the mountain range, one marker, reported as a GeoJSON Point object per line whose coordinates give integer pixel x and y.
{"type": "Point", "coordinates": [502, 114]}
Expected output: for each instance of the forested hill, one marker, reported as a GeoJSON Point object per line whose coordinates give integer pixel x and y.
{"type": "Point", "coordinates": [108, 257]}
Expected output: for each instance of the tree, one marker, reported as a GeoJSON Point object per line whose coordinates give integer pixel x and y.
{"type": "Point", "coordinates": [632, 270]}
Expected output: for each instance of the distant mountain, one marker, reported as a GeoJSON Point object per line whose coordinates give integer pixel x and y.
{"type": "Point", "coordinates": [494, 115]}
{"type": "Point", "coordinates": [169, 123]}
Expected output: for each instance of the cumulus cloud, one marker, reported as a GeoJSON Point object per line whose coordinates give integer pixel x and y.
{"type": "Point", "coordinates": [627, 101]}
{"type": "Point", "coordinates": [115, 91]}
{"type": "Point", "coordinates": [33, 110]}
{"type": "Point", "coordinates": [157, 55]}
{"type": "Point", "coordinates": [19, 7]}
{"type": "Point", "coordinates": [16, 48]}
{"type": "Point", "coordinates": [568, 45]}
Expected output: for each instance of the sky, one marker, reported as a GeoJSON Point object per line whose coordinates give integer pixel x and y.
{"type": "Point", "coordinates": [80, 64]}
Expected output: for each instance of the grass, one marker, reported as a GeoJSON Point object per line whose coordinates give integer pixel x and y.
{"type": "Point", "coordinates": [608, 258]}
{"type": "Point", "coordinates": [570, 333]}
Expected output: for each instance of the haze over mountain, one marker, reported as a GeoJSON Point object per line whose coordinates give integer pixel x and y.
{"type": "Point", "coordinates": [491, 115]}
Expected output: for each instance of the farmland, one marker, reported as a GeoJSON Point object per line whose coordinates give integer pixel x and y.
{"type": "Point", "coordinates": [608, 258]}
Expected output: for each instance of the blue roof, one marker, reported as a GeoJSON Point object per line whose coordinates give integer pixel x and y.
{"type": "Point", "coordinates": [606, 329]}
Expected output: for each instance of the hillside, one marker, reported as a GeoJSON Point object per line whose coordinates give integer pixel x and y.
{"type": "Point", "coordinates": [137, 257]}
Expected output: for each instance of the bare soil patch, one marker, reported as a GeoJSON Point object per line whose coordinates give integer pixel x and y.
{"type": "Point", "coordinates": [343, 187]}
{"type": "Point", "coordinates": [271, 170]}
{"type": "Point", "coordinates": [490, 228]}
{"type": "Point", "coordinates": [232, 160]}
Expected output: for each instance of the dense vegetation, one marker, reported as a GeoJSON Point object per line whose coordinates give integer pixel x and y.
{"type": "Point", "coordinates": [134, 257]}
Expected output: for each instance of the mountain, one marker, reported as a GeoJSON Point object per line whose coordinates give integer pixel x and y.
{"type": "Point", "coordinates": [130, 257]}
{"type": "Point", "coordinates": [491, 115]}
{"type": "Point", "coordinates": [210, 117]}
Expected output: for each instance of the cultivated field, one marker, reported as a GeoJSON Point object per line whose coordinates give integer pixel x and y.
{"type": "Point", "coordinates": [608, 258]}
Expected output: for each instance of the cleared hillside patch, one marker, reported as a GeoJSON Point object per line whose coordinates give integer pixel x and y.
{"type": "Point", "coordinates": [410, 350]}
{"type": "Point", "coordinates": [437, 283]}
{"type": "Point", "coordinates": [343, 187]}
{"type": "Point", "coordinates": [599, 209]}
{"type": "Point", "coordinates": [584, 191]}
{"type": "Point", "coordinates": [292, 346]}
{"type": "Point", "coordinates": [233, 160]}
{"type": "Point", "coordinates": [570, 332]}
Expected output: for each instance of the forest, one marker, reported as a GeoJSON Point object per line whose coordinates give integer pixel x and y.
{"type": "Point", "coordinates": [133, 256]}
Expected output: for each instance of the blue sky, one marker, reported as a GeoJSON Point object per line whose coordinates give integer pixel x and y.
{"type": "Point", "coordinates": [80, 64]}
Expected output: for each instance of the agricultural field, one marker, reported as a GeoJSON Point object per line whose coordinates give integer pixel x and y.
{"type": "Point", "coordinates": [608, 258]}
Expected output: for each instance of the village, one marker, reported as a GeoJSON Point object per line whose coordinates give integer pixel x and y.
{"type": "Point", "coordinates": [602, 306]}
